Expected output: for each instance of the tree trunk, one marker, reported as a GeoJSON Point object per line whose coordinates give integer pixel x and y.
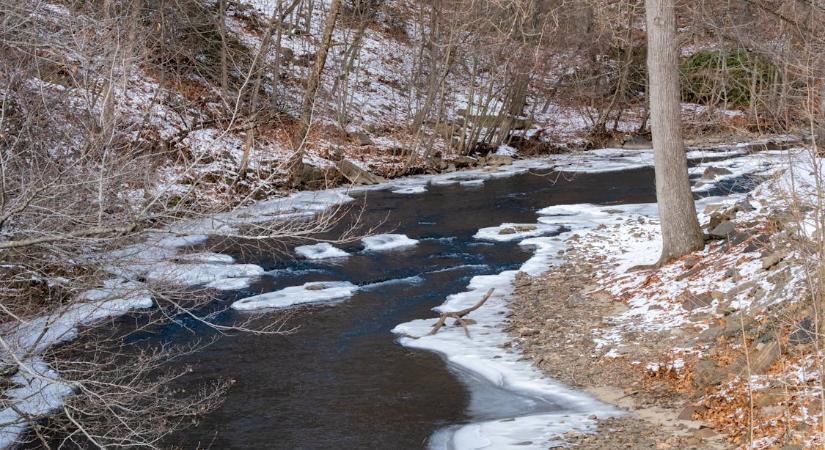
{"type": "Point", "coordinates": [681, 233]}
{"type": "Point", "coordinates": [296, 161]}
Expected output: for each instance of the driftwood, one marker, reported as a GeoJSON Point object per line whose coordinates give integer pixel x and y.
{"type": "Point", "coordinates": [459, 315]}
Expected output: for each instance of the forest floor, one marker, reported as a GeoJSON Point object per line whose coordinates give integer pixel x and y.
{"type": "Point", "coordinates": [714, 350]}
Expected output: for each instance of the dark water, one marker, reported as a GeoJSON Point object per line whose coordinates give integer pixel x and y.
{"type": "Point", "coordinates": [340, 380]}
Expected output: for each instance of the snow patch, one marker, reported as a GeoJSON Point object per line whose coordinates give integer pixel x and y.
{"type": "Point", "coordinates": [383, 242]}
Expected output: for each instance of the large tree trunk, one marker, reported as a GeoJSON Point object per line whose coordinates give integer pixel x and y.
{"type": "Point", "coordinates": [296, 161]}
{"type": "Point", "coordinates": [680, 228]}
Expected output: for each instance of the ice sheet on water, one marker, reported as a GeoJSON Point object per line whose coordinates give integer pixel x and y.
{"type": "Point", "coordinates": [322, 250]}
{"type": "Point", "coordinates": [115, 298]}
{"type": "Point", "coordinates": [515, 231]}
{"type": "Point", "coordinates": [37, 391]}
{"type": "Point", "coordinates": [313, 292]}
{"type": "Point", "coordinates": [382, 242]}
{"type": "Point", "coordinates": [200, 273]}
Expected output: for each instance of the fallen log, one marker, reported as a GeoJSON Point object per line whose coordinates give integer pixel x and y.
{"type": "Point", "coordinates": [459, 315]}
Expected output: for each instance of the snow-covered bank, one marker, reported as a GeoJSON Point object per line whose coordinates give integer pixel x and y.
{"type": "Point", "coordinates": [483, 353]}
{"type": "Point", "coordinates": [723, 335]}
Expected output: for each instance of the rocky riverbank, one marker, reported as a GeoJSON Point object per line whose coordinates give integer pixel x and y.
{"type": "Point", "coordinates": [715, 350]}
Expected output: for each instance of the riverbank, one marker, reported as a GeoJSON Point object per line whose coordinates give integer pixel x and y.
{"type": "Point", "coordinates": [715, 350]}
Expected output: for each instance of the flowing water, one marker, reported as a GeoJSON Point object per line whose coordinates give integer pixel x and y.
{"type": "Point", "coordinates": [340, 379]}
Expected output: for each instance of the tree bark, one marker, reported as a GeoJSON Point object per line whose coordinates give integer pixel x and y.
{"type": "Point", "coordinates": [296, 162]}
{"type": "Point", "coordinates": [681, 233]}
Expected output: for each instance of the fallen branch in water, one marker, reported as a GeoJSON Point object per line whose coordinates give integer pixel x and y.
{"type": "Point", "coordinates": [459, 315]}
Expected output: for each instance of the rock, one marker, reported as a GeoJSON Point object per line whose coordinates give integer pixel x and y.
{"type": "Point", "coordinates": [711, 333]}
{"type": "Point", "coordinates": [689, 273]}
{"type": "Point", "coordinates": [764, 358]}
{"type": "Point", "coordinates": [499, 160]}
{"type": "Point", "coordinates": [713, 172]}
{"type": "Point", "coordinates": [688, 412]}
{"type": "Point", "coordinates": [357, 175]}
{"type": "Point", "coordinates": [743, 205]}
{"type": "Point", "coordinates": [635, 142]}
{"type": "Point", "coordinates": [717, 295]}
{"type": "Point", "coordinates": [738, 237]}
{"type": "Point", "coordinates": [691, 301]}
{"type": "Point", "coordinates": [465, 161]}
{"type": "Point", "coordinates": [313, 176]}
{"type": "Point", "coordinates": [772, 259]}
{"type": "Point", "coordinates": [735, 323]}
{"type": "Point", "coordinates": [707, 373]}
{"type": "Point", "coordinates": [722, 230]}
{"type": "Point", "coordinates": [690, 261]}
{"type": "Point", "coordinates": [363, 138]}
{"type": "Point", "coordinates": [705, 433]}
{"type": "Point", "coordinates": [528, 331]}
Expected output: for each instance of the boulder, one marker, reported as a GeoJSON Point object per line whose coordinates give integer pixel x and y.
{"type": "Point", "coordinates": [773, 259]}
{"type": "Point", "coordinates": [764, 358]}
{"type": "Point", "coordinates": [691, 301]}
{"type": "Point", "coordinates": [708, 373]}
{"type": "Point", "coordinates": [636, 143]}
{"type": "Point", "coordinates": [712, 172]}
{"type": "Point", "coordinates": [722, 230]}
{"type": "Point", "coordinates": [465, 161]}
{"type": "Point", "coordinates": [363, 138]}
{"type": "Point", "coordinates": [355, 174]}
{"type": "Point", "coordinates": [743, 205]}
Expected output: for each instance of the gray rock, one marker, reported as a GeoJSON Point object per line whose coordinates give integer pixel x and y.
{"type": "Point", "coordinates": [465, 161]}
{"type": "Point", "coordinates": [357, 175]}
{"type": "Point", "coordinates": [743, 205]}
{"type": "Point", "coordinates": [363, 138]}
{"type": "Point", "coordinates": [773, 259]}
{"type": "Point", "coordinates": [636, 143]}
{"type": "Point", "coordinates": [722, 230]}
{"type": "Point", "coordinates": [707, 373]}
{"type": "Point", "coordinates": [691, 301]}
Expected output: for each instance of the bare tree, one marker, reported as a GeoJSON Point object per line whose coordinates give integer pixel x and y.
{"type": "Point", "coordinates": [680, 227]}
{"type": "Point", "coordinates": [305, 118]}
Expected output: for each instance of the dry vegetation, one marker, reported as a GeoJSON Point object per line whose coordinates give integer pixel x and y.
{"type": "Point", "coordinates": [119, 118]}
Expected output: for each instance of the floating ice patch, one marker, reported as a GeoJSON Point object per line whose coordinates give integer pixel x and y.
{"type": "Point", "coordinates": [382, 242]}
{"type": "Point", "coordinates": [472, 182]}
{"type": "Point", "coordinates": [200, 273]}
{"type": "Point", "coordinates": [410, 190]}
{"type": "Point", "coordinates": [515, 231]}
{"type": "Point", "coordinates": [320, 251]}
{"type": "Point", "coordinates": [314, 292]}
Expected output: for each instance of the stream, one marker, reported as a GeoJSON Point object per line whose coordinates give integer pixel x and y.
{"type": "Point", "coordinates": [341, 379]}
